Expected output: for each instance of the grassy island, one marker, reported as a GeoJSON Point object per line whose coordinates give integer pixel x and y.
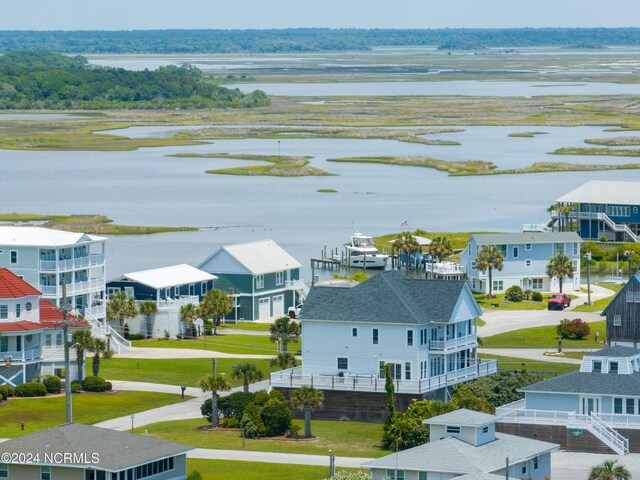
{"type": "Point", "coordinates": [97, 224]}
{"type": "Point", "coordinates": [280, 166]}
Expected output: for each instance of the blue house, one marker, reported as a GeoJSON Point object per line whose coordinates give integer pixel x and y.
{"type": "Point", "coordinates": [604, 209]}
{"type": "Point", "coordinates": [602, 398]}
{"type": "Point", "coordinates": [263, 279]}
{"type": "Point", "coordinates": [526, 256]}
{"type": "Point", "coordinates": [623, 315]}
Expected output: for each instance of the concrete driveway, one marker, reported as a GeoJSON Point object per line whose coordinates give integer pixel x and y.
{"type": "Point", "coordinates": [500, 321]}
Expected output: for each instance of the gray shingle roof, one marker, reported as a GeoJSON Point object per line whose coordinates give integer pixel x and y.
{"type": "Point", "coordinates": [525, 237]}
{"type": "Point", "coordinates": [116, 450]}
{"type": "Point", "coordinates": [456, 456]}
{"type": "Point", "coordinates": [387, 297]}
{"type": "Point", "coordinates": [615, 351]}
{"type": "Point", "coordinates": [589, 382]}
{"type": "Point", "coordinates": [462, 417]}
{"type": "Point", "coordinates": [621, 294]}
{"type": "Point", "coordinates": [481, 476]}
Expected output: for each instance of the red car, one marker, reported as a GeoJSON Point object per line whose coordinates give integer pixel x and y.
{"type": "Point", "coordinates": [559, 301]}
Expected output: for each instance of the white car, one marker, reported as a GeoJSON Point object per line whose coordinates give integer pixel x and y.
{"type": "Point", "coordinates": [294, 312]}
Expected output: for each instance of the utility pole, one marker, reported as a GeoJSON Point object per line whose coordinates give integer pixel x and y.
{"type": "Point", "coordinates": [588, 276]}
{"type": "Point", "coordinates": [67, 363]}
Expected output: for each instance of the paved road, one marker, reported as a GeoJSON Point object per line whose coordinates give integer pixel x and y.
{"type": "Point", "coordinates": [500, 321]}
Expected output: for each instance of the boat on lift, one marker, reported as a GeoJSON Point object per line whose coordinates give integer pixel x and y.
{"type": "Point", "coordinates": [362, 253]}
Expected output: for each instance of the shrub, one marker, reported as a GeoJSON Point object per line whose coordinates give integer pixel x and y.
{"type": "Point", "coordinates": [3, 393]}
{"type": "Point", "coordinates": [276, 417]}
{"type": "Point", "coordinates": [52, 383]}
{"type": "Point", "coordinates": [109, 386]}
{"type": "Point", "coordinates": [31, 389]}
{"type": "Point", "coordinates": [167, 335]}
{"type": "Point", "coordinates": [94, 384]}
{"type": "Point", "coordinates": [527, 294]}
{"type": "Point", "coordinates": [251, 421]}
{"type": "Point", "coordinates": [125, 331]}
{"type": "Point", "coordinates": [8, 389]}
{"type": "Point", "coordinates": [575, 328]}
{"type": "Point", "coordinates": [536, 296]}
{"type": "Point", "coordinates": [136, 336]}
{"type": "Point", "coordinates": [514, 294]}
{"type": "Point", "coordinates": [195, 475]}
{"type": "Point", "coordinates": [76, 387]}
{"type": "Point", "coordinates": [261, 397]}
{"type": "Point", "coordinates": [229, 423]}
{"type": "Point", "coordinates": [232, 406]}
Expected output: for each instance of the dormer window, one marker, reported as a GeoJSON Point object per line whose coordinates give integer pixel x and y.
{"type": "Point", "coordinates": [597, 366]}
{"type": "Point", "coordinates": [613, 367]}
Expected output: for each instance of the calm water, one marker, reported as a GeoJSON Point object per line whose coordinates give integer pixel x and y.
{"type": "Point", "coordinates": [145, 187]}
{"type": "Point", "coordinates": [464, 88]}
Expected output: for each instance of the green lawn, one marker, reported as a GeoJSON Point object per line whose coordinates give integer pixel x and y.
{"type": "Point", "coordinates": [227, 343]}
{"type": "Point", "coordinates": [599, 305]}
{"type": "Point", "coordinates": [498, 302]}
{"type": "Point", "coordinates": [171, 371]}
{"type": "Point", "coordinates": [236, 470]}
{"type": "Point", "coordinates": [353, 439]}
{"type": "Point", "coordinates": [89, 408]}
{"type": "Point", "coordinates": [544, 337]}
{"type": "Point", "coordinates": [513, 363]}
{"type": "Point", "coordinates": [253, 326]}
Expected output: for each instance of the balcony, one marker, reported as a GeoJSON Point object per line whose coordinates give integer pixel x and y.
{"type": "Point", "coordinates": [23, 356]}
{"type": "Point", "coordinates": [174, 303]}
{"type": "Point", "coordinates": [71, 263]}
{"type": "Point", "coordinates": [293, 378]}
{"type": "Point", "coordinates": [448, 345]}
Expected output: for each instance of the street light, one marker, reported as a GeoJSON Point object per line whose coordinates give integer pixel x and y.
{"type": "Point", "coordinates": [132, 417]}
{"type": "Point", "coordinates": [588, 276]}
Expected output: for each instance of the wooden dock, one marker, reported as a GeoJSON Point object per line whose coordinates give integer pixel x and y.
{"type": "Point", "coordinates": [326, 263]}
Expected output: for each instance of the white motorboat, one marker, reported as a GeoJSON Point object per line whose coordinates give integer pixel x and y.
{"type": "Point", "coordinates": [362, 253]}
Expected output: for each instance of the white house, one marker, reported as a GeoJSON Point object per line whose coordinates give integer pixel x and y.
{"type": "Point", "coordinates": [425, 329]}
{"type": "Point", "coordinates": [526, 256]}
{"type": "Point", "coordinates": [464, 444]}
{"type": "Point", "coordinates": [44, 257]}
{"type": "Point", "coordinates": [261, 276]}
{"type": "Point", "coordinates": [31, 334]}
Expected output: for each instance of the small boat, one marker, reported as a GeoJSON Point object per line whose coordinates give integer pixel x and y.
{"type": "Point", "coordinates": [362, 253]}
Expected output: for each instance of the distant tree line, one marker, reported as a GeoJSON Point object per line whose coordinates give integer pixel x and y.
{"type": "Point", "coordinates": [307, 39]}
{"type": "Point", "coordinates": [37, 79]}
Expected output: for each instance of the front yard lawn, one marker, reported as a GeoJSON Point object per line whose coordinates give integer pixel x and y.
{"type": "Point", "coordinates": [513, 363]}
{"type": "Point", "coordinates": [172, 371]}
{"type": "Point", "coordinates": [600, 304]}
{"type": "Point", "coordinates": [498, 302]}
{"type": "Point", "coordinates": [226, 343]}
{"type": "Point", "coordinates": [44, 412]}
{"type": "Point", "coordinates": [544, 337]}
{"type": "Point", "coordinates": [344, 438]}
{"type": "Point", "coordinates": [237, 470]}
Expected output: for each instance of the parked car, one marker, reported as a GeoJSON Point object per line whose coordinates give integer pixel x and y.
{"type": "Point", "coordinates": [294, 312]}
{"type": "Point", "coordinates": [559, 301]}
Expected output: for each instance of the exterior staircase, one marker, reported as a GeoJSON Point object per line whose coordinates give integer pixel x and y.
{"type": "Point", "coordinates": [603, 217]}
{"type": "Point", "coordinates": [103, 330]}
{"type": "Point", "coordinates": [606, 434]}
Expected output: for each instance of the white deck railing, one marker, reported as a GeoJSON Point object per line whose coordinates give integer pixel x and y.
{"type": "Point", "coordinates": [70, 263]}
{"type": "Point", "coordinates": [23, 356]}
{"type": "Point", "coordinates": [444, 345]}
{"type": "Point", "coordinates": [370, 382]}
{"type": "Point", "coordinates": [607, 435]}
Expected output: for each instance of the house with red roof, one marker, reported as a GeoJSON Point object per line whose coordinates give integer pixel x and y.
{"type": "Point", "coordinates": [31, 333]}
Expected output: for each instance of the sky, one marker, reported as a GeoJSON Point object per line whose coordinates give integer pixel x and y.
{"type": "Point", "coordinates": [240, 14]}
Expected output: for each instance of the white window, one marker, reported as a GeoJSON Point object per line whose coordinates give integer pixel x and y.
{"type": "Point", "coordinates": [14, 257]}
{"type": "Point", "coordinates": [279, 278]}
{"type": "Point", "coordinates": [535, 463]}
{"type": "Point", "coordinates": [18, 310]}
{"type": "Point", "coordinates": [523, 470]}
{"type": "Point", "coordinates": [629, 296]}
{"type": "Point", "coordinates": [516, 252]}
{"type": "Point", "coordinates": [203, 288]}
{"type": "Point", "coordinates": [407, 370]}
{"type": "Point", "coordinates": [259, 281]}
{"type": "Point", "coordinates": [527, 263]}
{"type": "Point", "coordinates": [395, 474]}
{"type": "Point", "coordinates": [47, 340]}
{"type": "Point", "coordinates": [558, 248]}
{"type": "Point", "coordinates": [619, 211]}
{"type": "Point", "coordinates": [527, 246]}
{"type": "Point", "coordinates": [354, 332]}
{"type": "Point", "coordinates": [498, 285]}
{"type": "Point", "coordinates": [537, 283]}
{"type": "Point", "coordinates": [45, 473]}
{"type": "Point", "coordinates": [192, 289]}
{"type": "Point", "coordinates": [4, 470]}
{"type": "Point", "coordinates": [343, 363]}
{"type": "Point", "coordinates": [374, 336]}
{"type": "Point", "coordinates": [4, 312]}
{"type": "Point", "coordinates": [575, 249]}
{"type": "Point", "coordinates": [636, 297]}
{"type": "Point", "coordinates": [59, 339]}
{"type": "Point", "coordinates": [176, 291]}
{"type": "Point", "coordinates": [409, 338]}
{"type": "Point", "coordinates": [617, 320]}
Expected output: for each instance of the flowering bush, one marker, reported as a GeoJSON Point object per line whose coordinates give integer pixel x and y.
{"type": "Point", "coordinates": [576, 328]}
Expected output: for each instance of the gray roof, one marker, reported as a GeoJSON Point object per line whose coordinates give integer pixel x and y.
{"type": "Point", "coordinates": [621, 293]}
{"type": "Point", "coordinates": [462, 417]}
{"type": "Point", "coordinates": [589, 382]}
{"type": "Point", "coordinates": [116, 450]}
{"type": "Point", "coordinates": [387, 297]}
{"type": "Point", "coordinates": [615, 351]}
{"type": "Point", "coordinates": [481, 476]}
{"type": "Point", "coordinates": [453, 455]}
{"type": "Point", "coordinates": [605, 192]}
{"type": "Point", "coordinates": [524, 237]}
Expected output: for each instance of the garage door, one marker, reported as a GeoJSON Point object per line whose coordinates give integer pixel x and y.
{"type": "Point", "coordinates": [264, 308]}
{"type": "Point", "coordinates": [278, 305]}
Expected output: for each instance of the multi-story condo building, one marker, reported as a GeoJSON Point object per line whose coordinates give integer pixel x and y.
{"type": "Point", "coordinates": [526, 256]}
{"type": "Point", "coordinates": [44, 258]}
{"type": "Point", "coordinates": [602, 209]}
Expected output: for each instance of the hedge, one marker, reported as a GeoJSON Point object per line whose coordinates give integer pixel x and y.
{"type": "Point", "coordinates": [95, 384]}
{"type": "Point", "coordinates": [52, 383]}
{"type": "Point", "coordinates": [31, 389]}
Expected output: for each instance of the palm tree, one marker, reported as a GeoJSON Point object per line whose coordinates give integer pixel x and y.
{"type": "Point", "coordinates": [215, 304]}
{"type": "Point", "coordinates": [565, 210]}
{"type": "Point", "coordinates": [283, 361]}
{"type": "Point", "coordinates": [407, 244]}
{"type": "Point", "coordinates": [608, 470]}
{"type": "Point", "coordinates": [560, 266]}
{"type": "Point", "coordinates": [188, 314]}
{"type": "Point", "coordinates": [490, 257]}
{"type": "Point", "coordinates": [307, 399]}
{"type": "Point", "coordinates": [82, 341]}
{"type": "Point", "coordinates": [100, 348]}
{"type": "Point", "coordinates": [628, 256]}
{"type": "Point", "coordinates": [440, 248]}
{"type": "Point", "coordinates": [120, 307]}
{"type": "Point", "coordinates": [285, 330]}
{"type": "Point", "coordinates": [248, 372]}
{"type": "Point", "coordinates": [148, 308]}
{"type": "Point", "coordinates": [214, 383]}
